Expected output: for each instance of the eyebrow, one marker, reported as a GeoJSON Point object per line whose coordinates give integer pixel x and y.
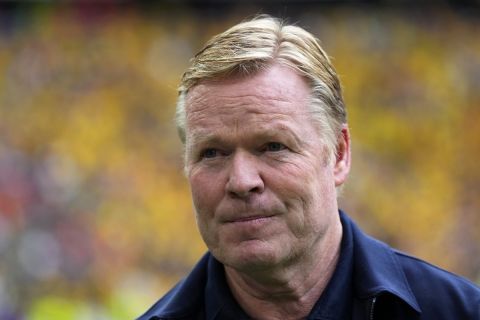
{"type": "Point", "coordinates": [200, 137]}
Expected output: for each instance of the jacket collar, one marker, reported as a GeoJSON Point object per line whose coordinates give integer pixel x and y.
{"type": "Point", "coordinates": [376, 268]}
{"type": "Point", "coordinates": [376, 271]}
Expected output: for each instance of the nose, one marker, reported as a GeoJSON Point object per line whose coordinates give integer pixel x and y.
{"type": "Point", "coordinates": [244, 176]}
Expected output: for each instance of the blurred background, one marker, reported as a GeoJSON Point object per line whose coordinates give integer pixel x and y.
{"type": "Point", "coordinates": [95, 214]}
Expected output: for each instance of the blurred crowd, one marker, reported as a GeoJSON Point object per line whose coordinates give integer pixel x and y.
{"type": "Point", "coordinates": [95, 214]}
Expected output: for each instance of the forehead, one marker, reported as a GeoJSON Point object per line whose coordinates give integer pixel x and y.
{"type": "Point", "coordinates": [278, 90]}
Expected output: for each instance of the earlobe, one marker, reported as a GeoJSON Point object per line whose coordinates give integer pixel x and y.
{"type": "Point", "coordinates": [342, 157]}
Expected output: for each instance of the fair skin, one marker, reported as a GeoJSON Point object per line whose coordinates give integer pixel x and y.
{"type": "Point", "coordinates": [264, 189]}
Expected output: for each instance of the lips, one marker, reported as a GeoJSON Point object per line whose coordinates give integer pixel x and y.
{"type": "Point", "coordinates": [255, 218]}
{"type": "Point", "coordinates": [243, 211]}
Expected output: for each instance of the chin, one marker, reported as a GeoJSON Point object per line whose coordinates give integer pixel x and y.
{"type": "Point", "coordinates": [249, 256]}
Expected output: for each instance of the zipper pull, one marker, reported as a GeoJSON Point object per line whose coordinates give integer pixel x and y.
{"type": "Point", "coordinates": [371, 310]}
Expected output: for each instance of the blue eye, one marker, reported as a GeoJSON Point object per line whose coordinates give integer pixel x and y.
{"type": "Point", "coordinates": [275, 146]}
{"type": "Point", "coordinates": [209, 153]}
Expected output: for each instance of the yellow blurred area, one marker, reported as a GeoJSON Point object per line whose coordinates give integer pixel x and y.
{"type": "Point", "coordinates": [96, 220]}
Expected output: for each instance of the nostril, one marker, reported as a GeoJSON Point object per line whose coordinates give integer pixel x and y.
{"type": "Point", "coordinates": [245, 193]}
{"type": "Point", "coordinates": [255, 190]}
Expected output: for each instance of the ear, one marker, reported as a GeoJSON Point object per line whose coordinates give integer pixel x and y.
{"type": "Point", "coordinates": [342, 157]}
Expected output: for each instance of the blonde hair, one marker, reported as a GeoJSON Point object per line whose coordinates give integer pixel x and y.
{"type": "Point", "coordinates": [251, 46]}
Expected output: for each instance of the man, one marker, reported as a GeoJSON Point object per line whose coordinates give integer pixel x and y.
{"type": "Point", "coordinates": [267, 148]}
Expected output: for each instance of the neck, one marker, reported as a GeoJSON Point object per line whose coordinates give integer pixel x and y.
{"type": "Point", "coordinates": [287, 292]}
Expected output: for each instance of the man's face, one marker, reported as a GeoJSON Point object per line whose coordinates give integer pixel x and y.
{"type": "Point", "coordinates": [263, 189]}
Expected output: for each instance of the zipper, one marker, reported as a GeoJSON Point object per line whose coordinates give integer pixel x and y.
{"type": "Point", "coordinates": [372, 308]}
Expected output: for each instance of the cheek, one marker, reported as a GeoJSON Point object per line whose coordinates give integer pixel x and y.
{"type": "Point", "coordinates": [207, 192]}
{"type": "Point", "coordinates": [308, 189]}
{"type": "Point", "coordinates": [301, 180]}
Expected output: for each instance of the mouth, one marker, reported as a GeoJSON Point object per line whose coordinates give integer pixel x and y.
{"type": "Point", "coordinates": [250, 219]}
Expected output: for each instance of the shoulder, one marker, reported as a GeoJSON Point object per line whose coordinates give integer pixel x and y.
{"type": "Point", "coordinates": [427, 289]}
{"type": "Point", "coordinates": [440, 294]}
{"type": "Point", "coordinates": [166, 307]}
{"type": "Point", "coordinates": [183, 301]}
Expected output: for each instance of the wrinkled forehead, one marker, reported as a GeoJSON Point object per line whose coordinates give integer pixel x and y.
{"type": "Point", "coordinates": [206, 100]}
{"type": "Point", "coordinates": [275, 89]}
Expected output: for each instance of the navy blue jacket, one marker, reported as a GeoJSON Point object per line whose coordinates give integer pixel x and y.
{"type": "Point", "coordinates": [386, 284]}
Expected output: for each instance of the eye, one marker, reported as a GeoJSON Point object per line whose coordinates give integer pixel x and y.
{"type": "Point", "coordinates": [275, 147]}
{"type": "Point", "coordinates": [209, 153]}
